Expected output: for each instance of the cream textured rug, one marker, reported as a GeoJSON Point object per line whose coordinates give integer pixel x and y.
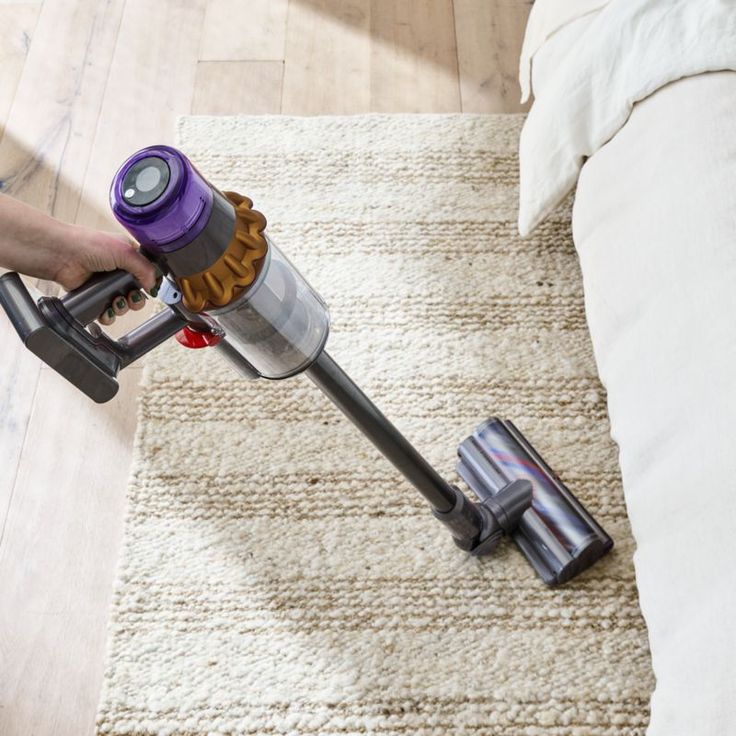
{"type": "Point", "coordinates": [278, 576]}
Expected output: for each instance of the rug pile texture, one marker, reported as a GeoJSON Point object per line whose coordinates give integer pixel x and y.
{"type": "Point", "coordinates": [277, 575]}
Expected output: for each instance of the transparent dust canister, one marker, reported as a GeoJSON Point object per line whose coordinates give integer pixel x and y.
{"type": "Point", "coordinates": [279, 323]}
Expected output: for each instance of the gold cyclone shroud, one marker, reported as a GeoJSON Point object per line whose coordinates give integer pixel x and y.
{"type": "Point", "coordinates": [236, 269]}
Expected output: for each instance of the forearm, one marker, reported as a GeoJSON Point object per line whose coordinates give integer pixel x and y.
{"type": "Point", "coordinates": [37, 245]}
{"type": "Point", "coordinates": [30, 241]}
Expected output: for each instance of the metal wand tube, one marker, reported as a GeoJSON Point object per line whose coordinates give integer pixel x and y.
{"type": "Point", "coordinates": [327, 375]}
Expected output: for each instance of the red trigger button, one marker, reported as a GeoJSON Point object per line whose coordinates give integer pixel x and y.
{"type": "Point", "coordinates": [190, 337]}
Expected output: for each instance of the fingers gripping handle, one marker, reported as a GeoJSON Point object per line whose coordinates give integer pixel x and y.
{"type": "Point", "coordinates": [87, 302]}
{"type": "Point", "coordinates": [53, 329]}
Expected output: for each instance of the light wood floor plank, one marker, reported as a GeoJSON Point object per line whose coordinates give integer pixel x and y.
{"type": "Point", "coordinates": [413, 57]}
{"type": "Point", "coordinates": [151, 82]}
{"type": "Point", "coordinates": [58, 557]}
{"type": "Point", "coordinates": [49, 130]}
{"type": "Point", "coordinates": [238, 88]}
{"type": "Point", "coordinates": [489, 37]}
{"type": "Point", "coordinates": [327, 58]}
{"type": "Point", "coordinates": [19, 370]}
{"type": "Point", "coordinates": [244, 31]}
{"type": "Point", "coordinates": [43, 156]}
{"type": "Point", "coordinates": [17, 23]}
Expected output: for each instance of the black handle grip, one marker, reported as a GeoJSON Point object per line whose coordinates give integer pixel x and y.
{"type": "Point", "coordinates": [87, 302]}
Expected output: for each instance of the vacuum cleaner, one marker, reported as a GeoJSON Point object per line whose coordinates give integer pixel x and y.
{"type": "Point", "coordinates": [228, 287]}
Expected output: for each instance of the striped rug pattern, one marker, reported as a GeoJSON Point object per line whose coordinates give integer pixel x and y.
{"type": "Point", "coordinates": [278, 576]}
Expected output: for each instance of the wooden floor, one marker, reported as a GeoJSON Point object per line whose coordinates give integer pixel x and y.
{"type": "Point", "coordinates": [83, 83]}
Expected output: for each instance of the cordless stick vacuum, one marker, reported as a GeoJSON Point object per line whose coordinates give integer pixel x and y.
{"type": "Point", "coordinates": [228, 287]}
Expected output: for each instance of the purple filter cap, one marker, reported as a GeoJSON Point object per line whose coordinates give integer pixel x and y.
{"type": "Point", "coordinates": [161, 199]}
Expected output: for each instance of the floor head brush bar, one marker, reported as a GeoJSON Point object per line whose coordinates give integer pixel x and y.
{"type": "Point", "coordinates": [228, 286]}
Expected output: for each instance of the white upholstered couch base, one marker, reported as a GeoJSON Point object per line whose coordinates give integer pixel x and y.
{"type": "Point", "coordinates": [654, 222]}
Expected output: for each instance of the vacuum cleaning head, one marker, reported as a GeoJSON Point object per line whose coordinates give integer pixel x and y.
{"type": "Point", "coordinates": [557, 535]}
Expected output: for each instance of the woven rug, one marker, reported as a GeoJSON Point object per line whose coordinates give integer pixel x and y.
{"type": "Point", "coordinates": [277, 575]}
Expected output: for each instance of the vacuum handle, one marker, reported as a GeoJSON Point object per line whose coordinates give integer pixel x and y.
{"type": "Point", "coordinates": [89, 300]}
{"type": "Point", "coordinates": [53, 329]}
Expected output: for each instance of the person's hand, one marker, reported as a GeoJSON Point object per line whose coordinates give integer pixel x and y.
{"type": "Point", "coordinates": [99, 251]}
{"type": "Point", "coordinates": [38, 245]}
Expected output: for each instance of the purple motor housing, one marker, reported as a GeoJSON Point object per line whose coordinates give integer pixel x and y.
{"type": "Point", "coordinates": [173, 206]}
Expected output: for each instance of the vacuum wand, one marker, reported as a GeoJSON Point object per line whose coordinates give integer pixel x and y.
{"type": "Point", "coordinates": [328, 376]}
{"type": "Point", "coordinates": [227, 285]}
{"type": "Point", "coordinates": [475, 528]}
